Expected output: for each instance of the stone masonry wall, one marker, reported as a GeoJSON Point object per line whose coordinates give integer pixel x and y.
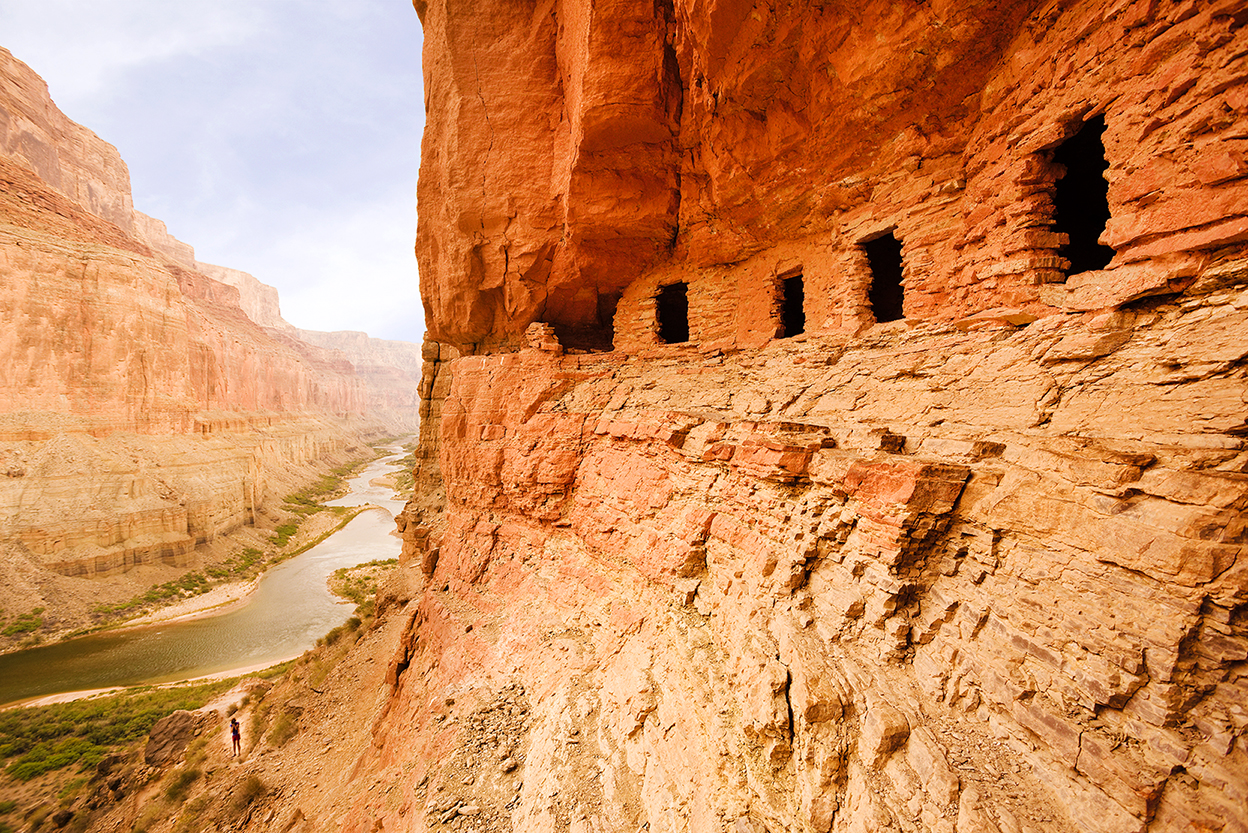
{"type": "Point", "coordinates": [971, 201]}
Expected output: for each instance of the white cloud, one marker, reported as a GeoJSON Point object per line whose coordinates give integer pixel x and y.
{"type": "Point", "coordinates": [80, 47]}
{"type": "Point", "coordinates": [346, 270]}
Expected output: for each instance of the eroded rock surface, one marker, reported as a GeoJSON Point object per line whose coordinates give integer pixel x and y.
{"type": "Point", "coordinates": [978, 568]}
{"type": "Point", "coordinates": [965, 558]}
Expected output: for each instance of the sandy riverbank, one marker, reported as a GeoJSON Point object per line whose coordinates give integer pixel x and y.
{"type": "Point", "coordinates": [218, 600]}
{"type": "Point", "coordinates": [70, 696]}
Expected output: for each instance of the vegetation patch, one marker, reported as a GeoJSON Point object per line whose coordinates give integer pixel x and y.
{"type": "Point", "coordinates": [25, 623]}
{"type": "Point", "coordinates": [284, 728]}
{"type": "Point", "coordinates": [193, 814]}
{"type": "Point", "coordinates": [404, 482]}
{"type": "Point", "coordinates": [282, 535]}
{"type": "Point", "coordinates": [247, 792]}
{"type": "Point", "coordinates": [359, 584]}
{"type": "Point", "coordinates": [150, 815]}
{"type": "Point", "coordinates": [243, 565]}
{"type": "Point", "coordinates": [310, 500]}
{"type": "Point", "coordinates": [240, 567]}
{"type": "Point", "coordinates": [38, 740]}
{"type": "Point", "coordinates": [180, 783]}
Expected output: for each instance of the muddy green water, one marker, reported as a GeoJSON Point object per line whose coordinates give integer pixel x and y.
{"type": "Point", "coordinates": [290, 609]}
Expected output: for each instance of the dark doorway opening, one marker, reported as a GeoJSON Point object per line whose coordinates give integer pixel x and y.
{"type": "Point", "coordinates": [792, 306]}
{"type": "Point", "coordinates": [1081, 197]}
{"type": "Point", "coordinates": [596, 335]}
{"type": "Point", "coordinates": [672, 308]}
{"type": "Point", "coordinates": [886, 295]}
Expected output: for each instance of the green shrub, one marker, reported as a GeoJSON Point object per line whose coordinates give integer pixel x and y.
{"type": "Point", "coordinates": [284, 728]}
{"type": "Point", "coordinates": [150, 814]}
{"type": "Point", "coordinates": [259, 719]}
{"type": "Point", "coordinates": [47, 756]}
{"type": "Point", "coordinates": [197, 751]}
{"type": "Point", "coordinates": [180, 784]}
{"type": "Point", "coordinates": [83, 731]}
{"type": "Point", "coordinates": [282, 535]}
{"type": "Point", "coordinates": [72, 788]}
{"type": "Point", "coordinates": [36, 816]}
{"type": "Point", "coordinates": [26, 623]}
{"type": "Point", "coordinates": [191, 584]}
{"type": "Point", "coordinates": [248, 791]}
{"type": "Point", "coordinates": [193, 815]}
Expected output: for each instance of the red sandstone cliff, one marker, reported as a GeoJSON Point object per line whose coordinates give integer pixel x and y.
{"type": "Point", "coordinates": [818, 546]}
{"type": "Point", "coordinates": [898, 504]}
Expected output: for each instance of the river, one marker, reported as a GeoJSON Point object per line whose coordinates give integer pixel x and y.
{"type": "Point", "coordinates": [289, 611]}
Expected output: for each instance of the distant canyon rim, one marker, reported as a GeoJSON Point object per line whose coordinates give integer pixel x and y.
{"type": "Point", "coordinates": [832, 418]}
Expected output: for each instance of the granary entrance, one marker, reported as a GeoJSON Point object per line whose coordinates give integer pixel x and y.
{"type": "Point", "coordinates": [886, 294]}
{"type": "Point", "coordinates": [1081, 197]}
{"type": "Point", "coordinates": [672, 309]}
{"type": "Point", "coordinates": [792, 302]}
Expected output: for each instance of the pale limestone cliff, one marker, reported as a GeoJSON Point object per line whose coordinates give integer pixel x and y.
{"type": "Point", "coordinates": [259, 300]}
{"type": "Point", "coordinates": [65, 155]}
{"type": "Point", "coordinates": [365, 350]}
{"type": "Point", "coordinates": [156, 235]}
{"type": "Point", "coordinates": [388, 370]}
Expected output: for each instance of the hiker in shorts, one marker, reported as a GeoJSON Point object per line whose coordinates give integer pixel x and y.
{"type": "Point", "coordinates": [236, 735]}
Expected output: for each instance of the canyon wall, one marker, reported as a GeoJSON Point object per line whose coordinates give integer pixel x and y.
{"type": "Point", "coordinates": [142, 413]}
{"type": "Point", "coordinates": [77, 164]}
{"type": "Point", "coordinates": [63, 154]}
{"type": "Point", "coordinates": [388, 370]}
{"type": "Point", "coordinates": [798, 461]}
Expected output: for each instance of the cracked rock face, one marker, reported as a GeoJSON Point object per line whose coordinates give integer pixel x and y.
{"type": "Point", "coordinates": [770, 539]}
{"type": "Point", "coordinates": [970, 622]}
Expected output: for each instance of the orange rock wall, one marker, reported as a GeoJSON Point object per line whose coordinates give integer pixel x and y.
{"type": "Point", "coordinates": [737, 140]}
{"type": "Point", "coordinates": [939, 580]}
{"type": "Point", "coordinates": [128, 343]}
{"type": "Point", "coordinates": [981, 569]}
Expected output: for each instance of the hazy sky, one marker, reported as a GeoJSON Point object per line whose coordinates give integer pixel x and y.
{"type": "Point", "coordinates": [279, 137]}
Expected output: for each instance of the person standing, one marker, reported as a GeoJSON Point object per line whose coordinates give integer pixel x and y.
{"type": "Point", "coordinates": [236, 735]}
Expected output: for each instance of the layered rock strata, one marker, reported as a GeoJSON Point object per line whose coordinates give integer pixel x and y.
{"type": "Point", "coordinates": [764, 586]}
{"type": "Point", "coordinates": [74, 163]}
{"type": "Point", "coordinates": [573, 156]}
{"type": "Point", "coordinates": [66, 156]}
{"type": "Point", "coordinates": [978, 568]}
{"type": "Point", "coordinates": [76, 505]}
{"type": "Point", "coordinates": [142, 413]}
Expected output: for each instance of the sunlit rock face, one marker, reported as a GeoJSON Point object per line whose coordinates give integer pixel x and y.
{"type": "Point", "coordinates": [104, 332]}
{"type": "Point", "coordinates": [66, 156]}
{"type": "Point", "coordinates": [915, 508]}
